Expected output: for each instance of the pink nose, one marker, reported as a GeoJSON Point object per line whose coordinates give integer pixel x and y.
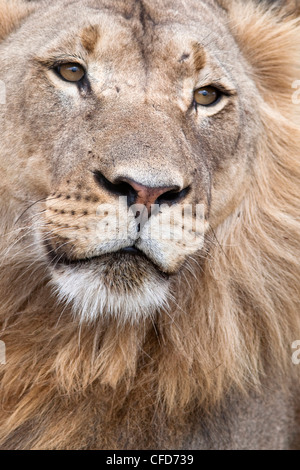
{"type": "Point", "coordinates": [147, 196]}
{"type": "Point", "coordinates": [138, 193]}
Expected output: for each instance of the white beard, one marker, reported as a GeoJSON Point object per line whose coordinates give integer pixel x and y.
{"type": "Point", "coordinates": [90, 297]}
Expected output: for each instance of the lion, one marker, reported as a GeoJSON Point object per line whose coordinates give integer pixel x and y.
{"type": "Point", "coordinates": [149, 187]}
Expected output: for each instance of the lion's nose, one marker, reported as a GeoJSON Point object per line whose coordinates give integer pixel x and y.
{"type": "Point", "coordinates": [138, 193]}
{"type": "Point", "coordinates": [151, 195]}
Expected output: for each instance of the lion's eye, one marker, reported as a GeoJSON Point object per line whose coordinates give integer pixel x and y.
{"type": "Point", "coordinates": [206, 96]}
{"type": "Point", "coordinates": [71, 72]}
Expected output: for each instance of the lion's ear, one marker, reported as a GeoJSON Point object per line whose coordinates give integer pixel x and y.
{"type": "Point", "coordinates": [12, 13]}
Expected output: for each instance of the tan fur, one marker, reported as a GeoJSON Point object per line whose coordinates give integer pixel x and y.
{"type": "Point", "coordinates": [12, 14]}
{"type": "Point", "coordinates": [233, 313]}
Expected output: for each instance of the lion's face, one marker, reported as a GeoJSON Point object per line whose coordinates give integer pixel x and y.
{"type": "Point", "coordinates": [126, 104]}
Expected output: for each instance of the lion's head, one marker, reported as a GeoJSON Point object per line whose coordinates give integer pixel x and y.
{"type": "Point", "coordinates": [128, 113]}
{"type": "Point", "coordinates": [184, 111]}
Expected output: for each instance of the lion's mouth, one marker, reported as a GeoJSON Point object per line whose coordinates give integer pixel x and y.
{"type": "Point", "coordinates": [126, 255]}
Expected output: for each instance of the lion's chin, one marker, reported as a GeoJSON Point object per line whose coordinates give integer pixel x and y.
{"type": "Point", "coordinates": [120, 286]}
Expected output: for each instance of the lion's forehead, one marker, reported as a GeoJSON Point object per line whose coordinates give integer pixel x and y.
{"type": "Point", "coordinates": [149, 13]}
{"type": "Point", "coordinates": [164, 30]}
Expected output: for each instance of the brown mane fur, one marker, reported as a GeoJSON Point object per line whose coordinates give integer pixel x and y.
{"type": "Point", "coordinates": [234, 330]}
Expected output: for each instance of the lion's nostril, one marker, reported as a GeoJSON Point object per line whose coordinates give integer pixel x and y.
{"type": "Point", "coordinates": [118, 188]}
{"type": "Point", "coordinates": [173, 197]}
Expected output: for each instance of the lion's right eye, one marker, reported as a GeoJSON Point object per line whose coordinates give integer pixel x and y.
{"type": "Point", "coordinates": [71, 72]}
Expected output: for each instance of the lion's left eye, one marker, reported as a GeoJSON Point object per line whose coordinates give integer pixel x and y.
{"type": "Point", "coordinates": [206, 96]}
{"type": "Point", "coordinates": [71, 72]}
